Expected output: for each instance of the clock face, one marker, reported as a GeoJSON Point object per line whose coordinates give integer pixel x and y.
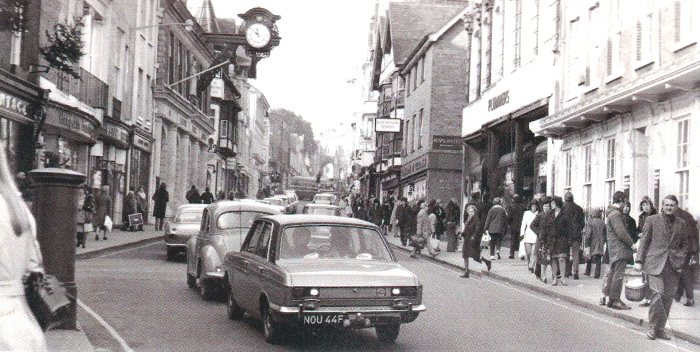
{"type": "Point", "coordinates": [257, 35]}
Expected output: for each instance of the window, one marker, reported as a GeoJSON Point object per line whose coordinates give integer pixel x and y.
{"type": "Point", "coordinates": [587, 176]}
{"type": "Point", "coordinates": [682, 158]}
{"type": "Point", "coordinates": [408, 84]}
{"type": "Point", "coordinates": [264, 243]}
{"type": "Point", "coordinates": [420, 128]}
{"type": "Point", "coordinates": [517, 33]}
{"type": "Point", "coordinates": [575, 66]}
{"type": "Point", "coordinates": [567, 170]}
{"type": "Point", "coordinates": [413, 130]}
{"type": "Point", "coordinates": [614, 39]}
{"type": "Point", "coordinates": [683, 21]}
{"type": "Point", "coordinates": [594, 37]}
{"type": "Point", "coordinates": [587, 196]}
{"type": "Point", "coordinates": [422, 70]}
{"type": "Point", "coordinates": [252, 241]}
{"type": "Point", "coordinates": [610, 169]}
{"type": "Point", "coordinates": [644, 33]}
{"type": "Point", "coordinates": [414, 73]}
{"type": "Point", "coordinates": [536, 28]}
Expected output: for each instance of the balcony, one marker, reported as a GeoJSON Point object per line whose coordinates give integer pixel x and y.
{"type": "Point", "coordinates": [88, 89]}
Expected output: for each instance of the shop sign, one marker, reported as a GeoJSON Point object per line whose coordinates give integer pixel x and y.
{"type": "Point", "coordinates": [498, 101]}
{"type": "Point", "coordinates": [142, 143]}
{"type": "Point", "coordinates": [13, 105]}
{"type": "Point", "coordinates": [415, 166]}
{"type": "Point", "coordinates": [447, 142]}
{"type": "Point", "coordinates": [72, 122]}
{"type": "Point", "coordinates": [115, 132]}
{"type": "Point", "coordinates": [387, 125]}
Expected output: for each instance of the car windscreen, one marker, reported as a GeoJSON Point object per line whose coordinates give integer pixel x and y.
{"type": "Point", "coordinates": [321, 211]}
{"type": "Point", "coordinates": [236, 219]}
{"type": "Point", "coordinates": [275, 201]}
{"type": "Point", "coordinates": [319, 242]}
{"type": "Point", "coordinates": [324, 198]}
{"type": "Point", "coordinates": [189, 217]}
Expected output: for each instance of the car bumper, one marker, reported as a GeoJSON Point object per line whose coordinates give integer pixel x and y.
{"type": "Point", "coordinates": [354, 317]}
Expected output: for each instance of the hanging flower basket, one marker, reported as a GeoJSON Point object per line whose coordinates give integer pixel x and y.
{"type": "Point", "coordinates": [12, 16]}
{"type": "Point", "coordinates": [65, 47]}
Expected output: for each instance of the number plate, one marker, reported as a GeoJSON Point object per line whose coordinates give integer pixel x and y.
{"type": "Point", "coordinates": [318, 319]}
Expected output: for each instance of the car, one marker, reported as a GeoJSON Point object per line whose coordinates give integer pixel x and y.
{"type": "Point", "coordinates": [325, 198]}
{"type": "Point", "coordinates": [288, 206]}
{"type": "Point", "coordinates": [184, 225]}
{"type": "Point", "coordinates": [321, 209]}
{"type": "Point", "coordinates": [276, 201]}
{"type": "Point", "coordinates": [223, 228]}
{"type": "Point", "coordinates": [293, 196]}
{"type": "Point", "coordinates": [319, 271]}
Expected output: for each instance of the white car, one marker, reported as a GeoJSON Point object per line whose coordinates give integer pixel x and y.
{"type": "Point", "coordinates": [325, 198]}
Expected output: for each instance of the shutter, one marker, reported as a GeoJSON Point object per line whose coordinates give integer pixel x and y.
{"type": "Point", "coordinates": [639, 40]}
{"type": "Point", "coordinates": [677, 20]}
{"type": "Point", "coordinates": [610, 57]}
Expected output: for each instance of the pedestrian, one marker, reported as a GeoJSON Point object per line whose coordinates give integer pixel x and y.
{"type": "Point", "coordinates": [647, 208]}
{"type": "Point", "coordinates": [21, 257]}
{"type": "Point", "coordinates": [425, 229]}
{"type": "Point", "coordinates": [686, 282]}
{"type": "Point", "coordinates": [193, 195]}
{"type": "Point", "coordinates": [386, 216]}
{"type": "Point", "coordinates": [559, 241]}
{"type": "Point", "coordinates": [375, 212]}
{"type": "Point", "coordinates": [663, 249]}
{"type": "Point", "coordinates": [619, 249]}
{"type": "Point", "coordinates": [542, 226]}
{"type": "Point", "coordinates": [86, 206]}
{"type": "Point", "coordinates": [594, 239]}
{"type": "Point", "coordinates": [207, 196]}
{"type": "Point", "coordinates": [496, 226]}
{"type": "Point", "coordinates": [130, 207]}
{"type": "Point", "coordinates": [515, 213]}
{"type": "Point", "coordinates": [528, 236]}
{"type": "Point", "coordinates": [472, 233]}
{"type": "Point", "coordinates": [403, 217]}
{"type": "Point", "coordinates": [629, 222]}
{"type": "Point", "coordinates": [440, 216]}
{"type": "Point", "coordinates": [103, 207]}
{"type": "Point", "coordinates": [160, 202]}
{"type": "Point", "coordinates": [230, 196]}
{"type": "Point", "coordinates": [142, 198]}
{"type": "Point", "coordinates": [221, 195]}
{"type": "Point", "coordinates": [452, 220]}
{"type": "Point", "coordinates": [342, 206]}
{"type": "Point", "coordinates": [576, 221]}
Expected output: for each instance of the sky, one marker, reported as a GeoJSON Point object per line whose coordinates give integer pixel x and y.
{"type": "Point", "coordinates": [323, 45]}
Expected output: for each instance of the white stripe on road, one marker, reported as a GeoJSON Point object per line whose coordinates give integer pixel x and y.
{"type": "Point", "coordinates": [496, 282]}
{"type": "Point", "coordinates": [125, 347]}
{"type": "Point", "coordinates": [126, 250]}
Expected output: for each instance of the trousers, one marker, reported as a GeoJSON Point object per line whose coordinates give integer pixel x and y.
{"type": "Point", "coordinates": [662, 288]}
{"type": "Point", "coordinates": [612, 284]}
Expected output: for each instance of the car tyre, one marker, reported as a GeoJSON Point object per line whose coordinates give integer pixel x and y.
{"type": "Point", "coordinates": [234, 311]}
{"type": "Point", "coordinates": [191, 281]}
{"type": "Point", "coordinates": [208, 290]}
{"type": "Point", "coordinates": [388, 333]}
{"type": "Point", "coordinates": [271, 330]}
{"type": "Point", "coordinates": [171, 254]}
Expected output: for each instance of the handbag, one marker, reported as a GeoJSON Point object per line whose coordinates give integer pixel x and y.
{"type": "Point", "coordinates": [418, 241]}
{"type": "Point", "coordinates": [47, 299]}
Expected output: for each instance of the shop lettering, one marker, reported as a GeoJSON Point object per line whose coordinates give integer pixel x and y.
{"type": "Point", "coordinates": [499, 100]}
{"type": "Point", "coordinates": [116, 133]}
{"type": "Point", "coordinates": [75, 124]}
{"type": "Point", "coordinates": [13, 104]}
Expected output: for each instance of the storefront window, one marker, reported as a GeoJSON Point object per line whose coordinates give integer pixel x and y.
{"type": "Point", "coordinates": [8, 137]}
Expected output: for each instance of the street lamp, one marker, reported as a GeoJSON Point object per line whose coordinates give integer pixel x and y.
{"type": "Point", "coordinates": [189, 25]}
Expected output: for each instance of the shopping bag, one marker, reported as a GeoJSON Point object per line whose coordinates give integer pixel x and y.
{"type": "Point", "coordinates": [418, 242]}
{"type": "Point", "coordinates": [485, 240]}
{"type": "Point", "coordinates": [87, 227]}
{"type": "Point", "coordinates": [521, 251]}
{"type": "Point", "coordinates": [435, 243]}
{"type": "Point", "coordinates": [47, 299]}
{"type": "Point", "coordinates": [108, 223]}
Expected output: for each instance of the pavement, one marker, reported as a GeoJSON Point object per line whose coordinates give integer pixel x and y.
{"type": "Point", "coordinates": [684, 322]}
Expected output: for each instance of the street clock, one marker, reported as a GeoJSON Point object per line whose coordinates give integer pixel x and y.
{"type": "Point", "coordinates": [258, 35]}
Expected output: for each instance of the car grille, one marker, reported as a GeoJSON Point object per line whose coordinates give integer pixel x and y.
{"type": "Point", "coordinates": [354, 292]}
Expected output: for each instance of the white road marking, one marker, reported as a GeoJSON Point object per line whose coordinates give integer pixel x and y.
{"type": "Point", "coordinates": [514, 288]}
{"type": "Point", "coordinates": [127, 250]}
{"type": "Point", "coordinates": [125, 347]}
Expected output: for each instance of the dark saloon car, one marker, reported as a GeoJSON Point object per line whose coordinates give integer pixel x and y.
{"type": "Point", "coordinates": [223, 228]}
{"type": "Point", "coordinates": [316, 271]}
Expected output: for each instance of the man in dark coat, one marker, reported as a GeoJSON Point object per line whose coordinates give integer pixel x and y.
{"type": "Point", "coordinates": [451, 223]}
{"type": "Point", "coordinates": [193, 196]}
{"type": "Point", "coordinates": [576, 222]}
{"type": "Point", "coordinates": [663, 247]}
{"type": "Point", "coordinates": [515, 218]}
{"type": "Point", "coordinates": [620, 251]}
{"type": "Point", "coordinates": [686, 283]}
{"type": "Point", "coordinates": [207, 196]}
{"type": "Point", "coordinates": [402, 217]}
{"type": "Point", "coordinates": [496, 225]}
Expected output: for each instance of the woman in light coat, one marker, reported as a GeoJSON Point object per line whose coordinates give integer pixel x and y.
{"type": "Point", "coordinates": [425, 228]}
{"type": "Point", "coordinates": [19, 256]}
{"type": "Point", "coordinates": [527, 236]}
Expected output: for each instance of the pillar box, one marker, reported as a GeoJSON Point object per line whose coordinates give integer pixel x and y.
{"type": "Point", "coordinates": [54, 206]}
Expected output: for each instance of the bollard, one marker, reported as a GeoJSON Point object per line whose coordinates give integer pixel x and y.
{"type": "Point", "coordinates": [54, 207]}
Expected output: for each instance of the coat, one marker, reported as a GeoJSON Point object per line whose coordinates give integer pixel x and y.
{"type": "Point", "coordinates": [657, 246]}
{"type": "Point", "coordinates": [594, 236]}
{"type": "Point", "coordinates": [619, 240]}
{"type": "Point", "coordinates": [423, 226]}
{"type": "Point", "coordinates": [496, 220]}
{"type": "Point", "coordinates": [472, 233]}
{"type": "Point", "coordinates": [103, 207]}
{"type": "Point", "coordinates": [576, 221]}
{"type": "Point", "coordinates": [515, 216]}
{"type": "Point", "coordinates": [452, 212]}
{"type": "Point", "coordinates": [559, 244]}
{"type": "Point", "coordinates": [526, 233]}
{"type": "Point", "coordinates": [160, 199]}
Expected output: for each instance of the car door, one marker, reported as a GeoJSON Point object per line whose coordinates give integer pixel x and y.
{"type": "Point", "coordinates": [193, 249]}
{"type": "Point", "coordinates": [261, 272]}
{"type": "Point", "coordinates": [202, 238]}
{"type": "Point", "coordinates": [243, 266]}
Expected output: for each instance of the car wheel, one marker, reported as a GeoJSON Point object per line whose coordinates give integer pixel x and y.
{"type": "Point", "coordinates": [208, 290]}
{"type": "Point", "coordinates": [234, 311]}
{"type": "Point", "coordinates": [191, 281]}
{"type": "Point", "coordinates": [272, 330]}
{"type": "Point", "coordinates": [171, 254]}
{"type": "Point", "coordinates": [388, 333]}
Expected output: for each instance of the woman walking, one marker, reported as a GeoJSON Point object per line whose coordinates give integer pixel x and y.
{"type": "Point", "coordinates": [103, 207]}
{"type": "Point", "coordinates": [473, 230]}
{"type": "Point", "coordinates": [559, 245]}
{"type": "Point", "coordinates": [528, 236]}
{"type": "Point", "coordinates": [160, 199]}
{"type": "Point", "coordinates": [541, 225]}
{"type": "Point", "coordinates": [20, 257]}
{"type": "Point", "coordinates": [646, 206]}
{"type": "Point", "coordinates": [86, 205]}
{"type": "Point", "coordinates": [594, 239]}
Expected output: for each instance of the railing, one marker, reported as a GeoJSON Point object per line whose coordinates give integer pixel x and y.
{"type": "Point", "coordinates": [88, 89]}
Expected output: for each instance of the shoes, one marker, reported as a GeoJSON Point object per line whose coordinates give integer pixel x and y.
{"type": "Point", "coordinates": [493, 258]}
{"type": "Point", "coordinates": [498, 254]}
{"type": "Point", "coordinates": [488, 265]}
{"type": "Point", "coordinates": [651, 335]}
{"type": "Point", "coordinates": [688, 303]}
{"type": "Point", "coordinates": [544, 280]}
{"type": "Point", "coordinates": [662, 334]}
{"type": "Point", "coordinates": [435, 254]}
{"type": "Point", "coordinates": [511, 257]}
{"type": "Point", "coordinates": [465, 275]}
{"type": "Point", "coordinates": [396, 235]}
{"type": "Point", "coordinates": [576, 277]}
{"type": "Point", "coordinates": [558, 282]}
{"type": "Point", "coordinates": [620, 306]}
{"type": "Point", "coordinates": [104, 238]}
{"type": "Point", "coordinates": [597, 277]}
{"type": "Point", "coordinates": [602, 301]}
{"type": "Point", "coordinates": [645, 304]}
{"type": "Point", "coordinates": [531, 270]}
{"type": "Point", "coordinates": [677, 298]}
{"type": "Point", "coordinates": [414, 256]}
{"type": "Point", "coordinates": [83, 245]}
{"type": "Point", "coordinates": [97, 238]}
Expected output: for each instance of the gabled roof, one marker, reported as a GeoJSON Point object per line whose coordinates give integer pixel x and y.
{"type": "Point", "coordinates": [207, 18]}
{"type": "Point", "coordinates": [410, 22]}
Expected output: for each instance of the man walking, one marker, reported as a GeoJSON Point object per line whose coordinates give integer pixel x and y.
{"type": "Point", "coordinates": [577, 221]}
{"type": "Point", "coordinates": [403, 215]}
{"type": "Point", "coordinates": [193, 195]}
{"type": "Point", "coordinates": [662, 252]}
{"type": "Point", "coordinates": [620, 251]}
{"type": "Point", "coordinates": [496, 226]}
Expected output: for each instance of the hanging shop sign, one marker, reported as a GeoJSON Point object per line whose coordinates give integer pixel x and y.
{"type": "Point", "coordinates": [115, 132]}
{"type": "Point", "coordinates": [387, 125]}
{"type": "Point", "coordinates": [79, 127]}
{"type": "Point", "coordinates": [142, 143]}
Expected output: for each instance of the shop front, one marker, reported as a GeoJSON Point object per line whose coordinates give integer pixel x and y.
{"type": "Point", "coordinates": [18, 99]}
{"type": "Point", "coordinates": [433, 175]}
{"type": "Point", "coordinates": [110, 158]}
{"type": "Point", "coordinates": [140, 163]}
{"type": "Point", "coordinates": [67, 137]}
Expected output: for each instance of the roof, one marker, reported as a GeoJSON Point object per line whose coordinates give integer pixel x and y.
{"type": "Point", "coordinates": [316, 205]}
{"type": "Point", "coordinates": [410, 23]}
{"type": "Point", "coordinates": [192, 206]}
{"type": "Point", "coordinates": [235, 205]}
{"type": "Point", "coordinates": [303, 219]}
